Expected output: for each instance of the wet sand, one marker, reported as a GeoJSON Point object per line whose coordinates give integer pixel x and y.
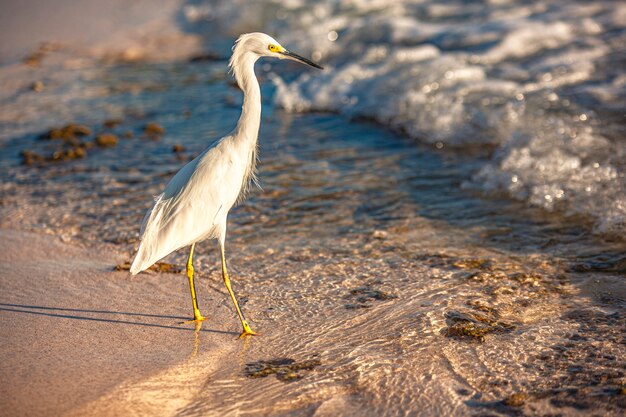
{"type": "Point", "coordinates": [476, 335]}
{"type": "Point", "coordinates": [127, 30]}
{"type": "Point", "coordinates": [72, 329]}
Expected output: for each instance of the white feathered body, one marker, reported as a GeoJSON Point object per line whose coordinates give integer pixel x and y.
{"type": "Point", "coordinates": [195, 203]}
{"type": "Point", "coordinates": [192, 208]}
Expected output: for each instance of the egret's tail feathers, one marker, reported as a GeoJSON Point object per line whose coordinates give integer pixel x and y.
{"type": "Point", "coordinates": [139, 263]}
{"type": "Point", "coordinates": [169, 226]}
{"type": "Point", "coordinates": [158, 236]}
{"type": "Point", "coordinates": [143, 261]}
{"type": "Point", "coordinates": [149, 238]}
{"type": "Point", "coordinates": [151, 249]}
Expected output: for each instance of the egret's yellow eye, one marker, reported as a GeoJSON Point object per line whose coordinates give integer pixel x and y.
{"type": "Point", "coordinates": [273, 48]}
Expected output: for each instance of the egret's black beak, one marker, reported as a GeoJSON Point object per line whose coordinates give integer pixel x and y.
{"type": "Point", "coordinates": [297, 57]}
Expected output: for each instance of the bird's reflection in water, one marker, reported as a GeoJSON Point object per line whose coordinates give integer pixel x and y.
{"type": "Point", "coordinates": [196, 339]}
{"type": "Point", "coordinates": [242, 352]}
{"type": "Point", "coordinates": [196, 342]}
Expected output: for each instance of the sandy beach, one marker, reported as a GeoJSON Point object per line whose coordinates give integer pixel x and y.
{"type": "Point", "coordinates": [78, 330]}
{"type": "Point", "coordinates": [439, 229]}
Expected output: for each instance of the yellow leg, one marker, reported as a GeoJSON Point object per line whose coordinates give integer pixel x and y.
{"type": "Point", "coordinates": [247, 331]}
{"type": "Point", "coordinates": [196, 312]}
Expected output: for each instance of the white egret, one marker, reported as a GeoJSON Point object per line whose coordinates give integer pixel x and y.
{"type": "Point", "coordinates": [195, 203]}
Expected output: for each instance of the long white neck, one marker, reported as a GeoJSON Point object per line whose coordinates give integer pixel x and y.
{"type": "Point", "coordinates": [250, 119]}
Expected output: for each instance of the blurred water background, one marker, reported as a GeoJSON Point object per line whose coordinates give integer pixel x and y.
{"type": "Point", "coordinates": [454, 175]}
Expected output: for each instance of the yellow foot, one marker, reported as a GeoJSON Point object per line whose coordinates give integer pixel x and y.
{"type": "Point", "coordinates": [247, 332]}
{"type": "Point", "coordinates": [197, 319]}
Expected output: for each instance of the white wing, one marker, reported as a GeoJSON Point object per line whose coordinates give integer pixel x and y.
{"type": "Point", "coordinates": [194, 204]}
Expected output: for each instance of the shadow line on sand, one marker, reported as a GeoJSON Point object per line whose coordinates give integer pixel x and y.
{"type": "Point", "coordinates": [67, 316]}
{"type": "Point", "coordinates": [79, 310]}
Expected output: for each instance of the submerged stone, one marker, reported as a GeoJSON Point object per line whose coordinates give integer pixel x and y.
{"type": "Point", "coordinates": [31, 158]}
{"type": "Point", "coordinates": [363, 296]}
{"type": "Point", "coordinates": [67, 132]}
{"type": "Point", "coordinates": [153, 130]}
{"type": "Point", "coordinates": [285, 369]}
{"type": "Point", "coordinates": [472, 326]}
{"type": "Point", "coordinates": [106, 140]}
{"type": "Point", "coordinates": [351, 306]}
{"type": "Point", "coordinates": [480, 264]}
{"type": "Point", "coordinates": [516, 400]}
{"type": "Point", "coordinates": [34, 158]}
{"type": "Point", "coordinates": [68, 154]}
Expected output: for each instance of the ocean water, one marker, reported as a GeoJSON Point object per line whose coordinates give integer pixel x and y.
{"type": "Point", "coordinates": [539, 85]}
{"type": "Point", "coordinates": [427, 241]}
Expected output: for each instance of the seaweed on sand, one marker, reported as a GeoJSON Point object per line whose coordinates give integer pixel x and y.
{"type": "Point", "coordinates": [473, 326]}
{"type": "Point", "coordinates": [363, 296]}
{"type": "Point", "coordinates": [285, 369]}
{"type": "Point", "coordinates": [157, 267]}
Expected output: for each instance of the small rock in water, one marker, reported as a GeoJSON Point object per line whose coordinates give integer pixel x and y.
{"type": "Point", "coordinates": [285, 369]}
{"type": "Point", "coordinates": [68, 154]}
{"type": "Point", "coordinates": [153, 130]}
{"type": "Point", "coordinates": [31, 158]}
{"type": "Point", "coordinates": [68, 132]}
{"type": "Point", "coordinates": [472, 263]}
{"type": "Point", "coordinates": [380, 234]}
{"type": "Point", "coordinates": [37, 86]}
{"type": "Point", "coordinates": [473, 326]}
{"type": "Point", "coordinates": [178, 148]}
{"type": "Point", "coordinates": [363, 296]}
{"type": "Point", "coordinates": [516, 400]}
{"type": "Point", "coordinates": [106, 140]}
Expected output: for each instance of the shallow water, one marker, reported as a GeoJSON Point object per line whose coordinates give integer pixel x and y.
{"type": "Point", "coordinates": [363, 256]}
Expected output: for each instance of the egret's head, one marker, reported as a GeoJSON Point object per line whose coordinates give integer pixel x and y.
{"type": "Point", "coordinates": [262, 45]}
